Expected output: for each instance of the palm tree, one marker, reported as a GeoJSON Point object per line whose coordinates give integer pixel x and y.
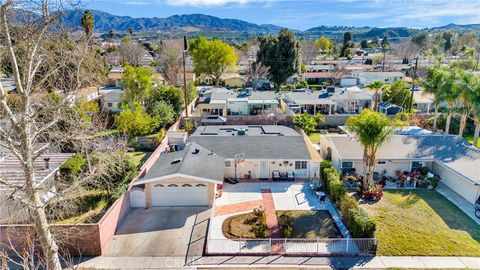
{"type": "Point", "coordinates": [465, 90]}
{"type": "Point", "coordinates": [376, 86]}
{"type": "Point", "coordinates": [475, 105]}
{"type": "Point", "coordinates": [448, 93]}
{"type": "Point", "coordinates": [372, 130]}
{"type": "Point", "coordinates": [88, 23]}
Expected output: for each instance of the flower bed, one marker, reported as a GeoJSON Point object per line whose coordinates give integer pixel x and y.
{"type": "Point", "coordinates": [356, 219]}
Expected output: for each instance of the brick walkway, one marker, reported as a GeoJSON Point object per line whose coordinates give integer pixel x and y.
{"type": "Point", "coordinates": [272, 221]}
{"type": "Point", "coordinates": [237, 207]}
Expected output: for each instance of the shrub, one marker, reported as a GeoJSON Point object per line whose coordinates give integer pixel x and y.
{"type": "Point", "coordinates": [189, 126]}
{"type": "Point", "coordinates": [250, 220]}
{"type": "Point", "coordinates": [434, 181]}
{"type": "Point", "coordinates": [360, 224]}
{"type": "Point", "coordinates": [260, 230]}
{"type": "Point", "coordinates": [72, 167]}
{"type": "Point", "coordinates": [323, 165]}
{"type": "Point", "coordinates": [357, 220]}
{"type": "Point", "coordinates": [286, 228]}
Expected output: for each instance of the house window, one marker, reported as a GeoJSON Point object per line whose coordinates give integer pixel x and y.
{"type": "Point", "coordinates": [300, 165]}
{"type": "Point", "coordinates": [381, 162]}
{"type": "Point", "coordinates": [173, 185]}
{"type": "Point", "coordinates": [417, 165]}
{"type": "Point", "coordinates": [228, 163]}
{"type": "Point", "coordinates": [347, 167]}
{"type": "Point", "coordinates": [186, 185]}
{"type": "Point", "coordinates": [200, 185]}
{"type": "Point", "coordinates": [109, 104]}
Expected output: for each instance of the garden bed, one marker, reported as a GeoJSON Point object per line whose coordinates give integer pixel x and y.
{"type": "Point", "coordinates": [245, 226]}
{"type": "Point", "coordinates": [309, 224]}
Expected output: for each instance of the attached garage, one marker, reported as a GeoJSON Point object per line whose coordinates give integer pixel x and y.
{"type": "Point", "coordinates": [174, 194]}
{"type": "Point", "coordinates": [185, 178]}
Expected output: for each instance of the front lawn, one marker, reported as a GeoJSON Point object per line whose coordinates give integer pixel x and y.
{"type": "Point", "coordinates": [423, 223]}
{"type": "Point", "coordinates": [311, 224]}
{"type": "Point", "coordinates": [138, 158]}
{"type": "Point", "coordinates": [249, 225]}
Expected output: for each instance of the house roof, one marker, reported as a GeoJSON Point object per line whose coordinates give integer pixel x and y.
{"type": "Point", "coordinates": [194, 160]}
{"type": "Point", "coordinates": [449, 150]}
{"type": "Point", "coordinates": [259, 142]}
{"type": "Point", "coordinates": [263, 96]}
{"type": "Point", "coordinates": [11, 169]}
{"type": "Point", "coordinates": [307, 98]}
{"type": "Point", "coordinates": [377, 74]}
{"type": "Point", "coordinates": [388, 105]}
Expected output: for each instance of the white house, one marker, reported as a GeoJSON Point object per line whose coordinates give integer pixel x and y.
{"type": "Point", "coordinates": [449, 156]}
{"type": "Point", "coordinates": [193, 176]}
{"type": "Point", "coordinates": [111, 99]}
{"type": "Point", "coordinates": [365, 78]}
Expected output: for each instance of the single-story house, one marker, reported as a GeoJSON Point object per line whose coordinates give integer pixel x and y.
{"type": "Point", "coordinates": [262, 152]}
{"type": "Point", "coordinates": [46, 168]}
{"type": "Point", "coordinates": [330, 101]}
{"type": "Point", "coordinates": [389, 108]}
{"type": "Point", "coordinates": [115, 77]}
{"type": "Point", "coordinates": [111, 99]}
{"type": "Point", "coordinates": [423, 101]}
{"type": "Point", "coordinates": [348, 81]}
{"type": "Point", "coordinates": [185, 178]}
{"type": "Point", "coordinates": [225, 103]}
{"type": "Point", "coordinates": [449, 156]}
{"type": "Point", "coordinates": [365, 78]}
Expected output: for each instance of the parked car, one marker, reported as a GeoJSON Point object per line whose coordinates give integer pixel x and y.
{"type": "Point", "coordinates": [214, 120]}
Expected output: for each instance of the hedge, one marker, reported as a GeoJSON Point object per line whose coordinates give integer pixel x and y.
{"type": "Point", "coordinates": [357, 220]}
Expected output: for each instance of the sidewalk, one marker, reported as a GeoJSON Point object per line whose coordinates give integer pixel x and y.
{"type": "Point", "coordinates": [239, 262]}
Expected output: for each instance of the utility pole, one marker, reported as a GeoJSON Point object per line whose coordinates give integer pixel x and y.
{"type": "Point", "coordinates": [383, 62]}
{"type": "Point", "coordinates": [413, 84]}
{"type": "Point", "coordinates": [185, 49]}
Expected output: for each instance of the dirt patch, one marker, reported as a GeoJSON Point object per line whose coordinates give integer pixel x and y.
{"type": "Point", "coordinates": [249, 226]}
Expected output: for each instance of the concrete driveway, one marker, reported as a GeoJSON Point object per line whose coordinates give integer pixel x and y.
{"type": "Point", "coordinates": [161, 231]}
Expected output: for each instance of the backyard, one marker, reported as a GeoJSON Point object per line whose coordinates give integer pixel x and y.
{"type": "Point", "coordinates": [424, 223]}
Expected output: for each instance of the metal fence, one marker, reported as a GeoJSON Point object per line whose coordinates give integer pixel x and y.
{"type": "Point", "coordinates": [290, 246]}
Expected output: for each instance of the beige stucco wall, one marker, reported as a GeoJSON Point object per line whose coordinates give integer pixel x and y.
{"type": "Point", "coordinates": [457, 183]}
{"type": "Point", "coordinates": [280, 165]}
{"type": "Point", "coordinates": [179, 181]}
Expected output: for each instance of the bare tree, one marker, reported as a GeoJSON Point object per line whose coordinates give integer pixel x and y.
{"type": "Point", "coordinates": [274, 116]}
{"type": "Point", "coordinates": [337, 73]}
{"type": "Point", "coordinates": [48, 68]}
{"type": "Point", "coordinates": [255, 72]}
{"type": "Point", "coordinates": [131, 53]}
{"type": "Point", "coordinates": [309, 51]}
{"type": "Point", "coordinates": [169, 55]}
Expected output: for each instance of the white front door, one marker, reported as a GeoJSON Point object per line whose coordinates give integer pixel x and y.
{"type": "Point", "coordinates": [264, 171]}
{"type": "Point", "coordinates": [178, 195]}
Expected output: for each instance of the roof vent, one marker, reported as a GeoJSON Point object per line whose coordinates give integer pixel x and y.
{"type": "Point", "coordinates": [175, 161]}
{"type": "Point", "coordinates": [196, 151]}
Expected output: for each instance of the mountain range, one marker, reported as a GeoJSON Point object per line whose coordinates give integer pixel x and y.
{"type": "Point", "coordinates": [195, 24]}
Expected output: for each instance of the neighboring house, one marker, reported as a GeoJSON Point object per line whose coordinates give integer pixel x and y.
{"type": "Point", "coordinates": [46, 168]}
{"type": "Point", "coordinates": [115, 76]}
{"type": "Point", "coordinates": [264, 151]}
{"type": "Point", "coordinates": [230, 80]}
{"type": "Point", "coordinates": [349, 81]}
{"type": "Point", "coordinates": [185, 178]}
{"type": "Point", "coordinates": [365, 78]}
{"type": "Point", "coordinates": [111, 99]}
{"type": "Point", "coordinates": [449, 156]}
{"type": "Point", "coordinates": [318, 77]}
{"type": "Point", "coordinates": [423, 101]}
{"type": "Point", "coordinates": [225, 102]}
{"type": "Point", "coordinates": [330, 101]}
{"type": "Point", "coordinates": [389, 108]}
{"type": "Point", "coordinates": [88, 94]}
{"type": "Point", "coordinates": [8, 85]}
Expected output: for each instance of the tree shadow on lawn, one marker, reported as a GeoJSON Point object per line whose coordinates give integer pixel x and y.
{"type": "Point", "coordinates": [453, 216]}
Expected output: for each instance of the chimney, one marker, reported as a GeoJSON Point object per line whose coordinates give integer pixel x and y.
{"type": "Point", "coordinates": [47, 162]}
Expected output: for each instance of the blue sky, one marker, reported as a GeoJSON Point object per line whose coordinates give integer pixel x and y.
{"type": "Point", "coordinates": [304, 14]}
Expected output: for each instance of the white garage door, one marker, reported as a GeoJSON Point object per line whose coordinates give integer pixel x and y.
{"type": "Point", "coordinates": [180, 195]}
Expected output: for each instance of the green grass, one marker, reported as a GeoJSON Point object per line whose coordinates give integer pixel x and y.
{"type": "Point", "coordinates": [422, 223]}
{"type": "Point", "coordinates": [138, 158]}
{"type": "Point", "coordinates": [311, 224]}
{"type": "Point", "coordinates": [314, 137]}
{"type": "Point", "coordinates": [92, 204]}
{"type": "Point", "coordinates": [469, 138]}
{"type": "Point", "coordinates": [104, 133]}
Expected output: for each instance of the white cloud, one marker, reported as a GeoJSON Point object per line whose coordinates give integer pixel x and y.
{"type": "Point", "coordinates": [212, 2]}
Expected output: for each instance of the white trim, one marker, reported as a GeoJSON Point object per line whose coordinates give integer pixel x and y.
{"type": "Point", "coordinates": [166, 177]}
